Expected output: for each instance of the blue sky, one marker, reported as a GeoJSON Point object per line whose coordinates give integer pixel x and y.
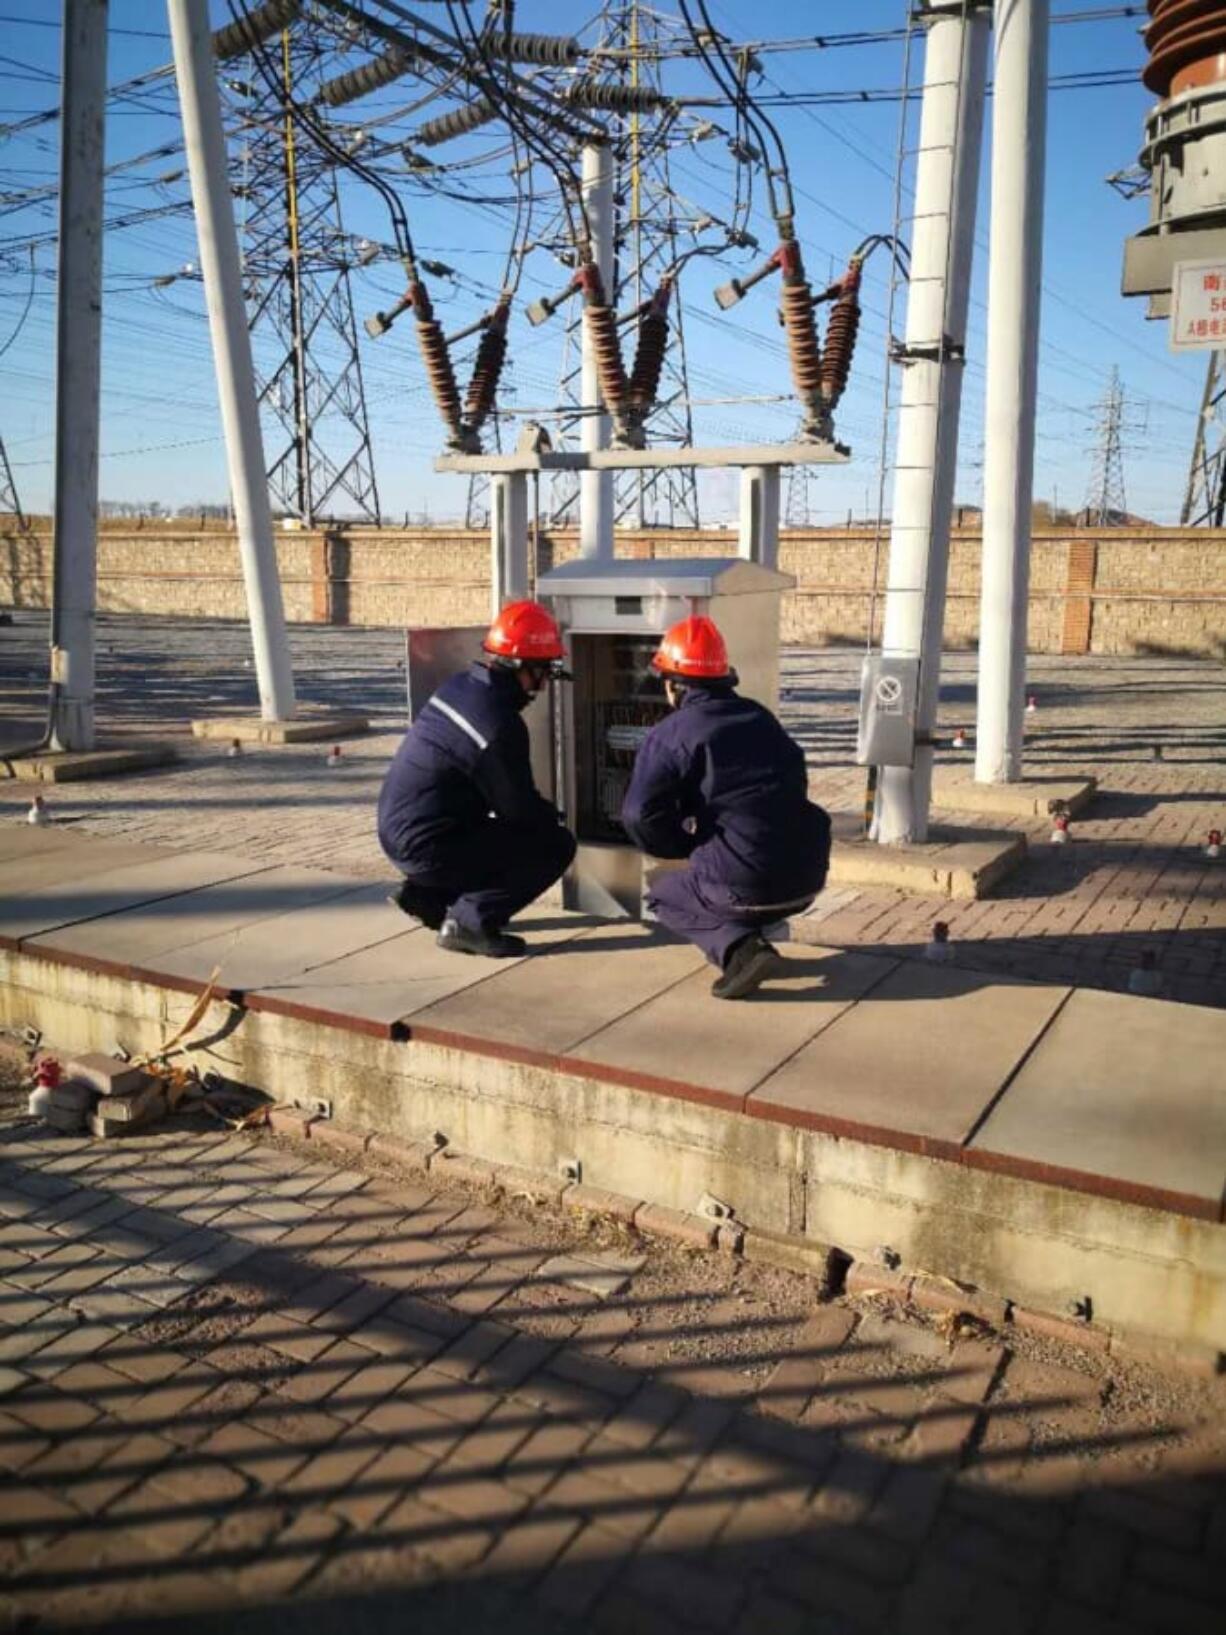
{"type": "Point", "coordinates": [160, 432]}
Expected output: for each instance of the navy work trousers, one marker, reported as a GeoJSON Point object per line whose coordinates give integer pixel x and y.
{"type": "Point", "coordinates": [484, 876]}
{"type": "Point", "coordinates": [712, 915]}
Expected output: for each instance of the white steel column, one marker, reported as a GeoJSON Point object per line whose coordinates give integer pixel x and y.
{"type": "Point", "coordinates": [758, 539]}
{"type": "Point", "coordinates": [1019, 122]}
{"type": "Point", "coordinates": [508, 538]}
{"type": "Point", "coordinates": [78, 349]}
{"type": "Point", "coordinates": [596, 487]}
{"type": "Point", "coordinates": [942, 241]}
{"type": "Point", "coordinates": [195, 71]}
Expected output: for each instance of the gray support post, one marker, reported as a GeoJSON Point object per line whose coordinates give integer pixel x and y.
{"type": "Point", "coordinates": [223, 291]}
{"type": "Point", "coordinates": [1015, 273]}
{"type": "Point", "coordinates": [942, 243]}
{"type": "Point", "coordinates": [596, 487]}
{"type": "Point", "coordinates": [508, 539]}
{"type": "Point", "coordinates": [78, 375]}
{"type": "Point", "coordinates": [758, 538]}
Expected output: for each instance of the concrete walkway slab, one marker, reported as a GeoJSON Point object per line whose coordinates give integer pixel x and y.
{"type": "Point", "coordinates": [1133, 1089]}
{"type": "Point", "coordinates": [380, 988]}
{"type": "Point", "coordinates": [187, 899]}
{"type": "Point", "coordinates": [39, 867]}
{"type": "Point", "coordinates": [922, 1055]}
{"type": "Point", "coordinates": [72, 883]}
{"type": "Point", "coordinates": [552, 1003]}
{"type": "Point", "coordinates": [720, 1050]}
{"type": "Point", "coordinates": [25, 840]}
{"type": "Point", "coordinates": [274, 950]}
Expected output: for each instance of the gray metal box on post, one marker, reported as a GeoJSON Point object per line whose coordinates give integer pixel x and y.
{"type": "Point", "coordinates": [889, 690]}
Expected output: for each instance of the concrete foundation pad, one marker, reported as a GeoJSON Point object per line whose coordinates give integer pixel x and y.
{"type": "Point", "coordinates": [962, 863]}
{"type": "Point", "coordinates": [67, 766]}
{"type": "Point", "coordinates": [955, 789]}
{"type": "Point", "coordinates": [306, 729]}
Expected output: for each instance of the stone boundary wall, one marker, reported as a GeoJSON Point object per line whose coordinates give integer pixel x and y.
{"type": "Point", "coordinates": [1119, 590]}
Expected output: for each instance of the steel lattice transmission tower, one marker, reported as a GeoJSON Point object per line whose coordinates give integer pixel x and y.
{"type": "Point", "coordinates": [1106, 501]}
{"type": "Point", "coordinates": [297, 257]}
{"type": "Point", "coordinates": [1204, 503]}
{"type": "Point", "coordinates": [798, 509]}
{"type": "Point", "coordinates": [10, 505]}
{"type": "Point", "coordinates": [651, 221]}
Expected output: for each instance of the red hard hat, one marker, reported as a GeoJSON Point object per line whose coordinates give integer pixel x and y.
{"type": "Point", "coordinates": [695, 649]}
{"type": "Point", "coordinates": [525, 631]}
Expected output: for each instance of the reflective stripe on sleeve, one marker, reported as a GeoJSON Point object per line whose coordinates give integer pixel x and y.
{"type": "Point", "coordinates": [462, 722]}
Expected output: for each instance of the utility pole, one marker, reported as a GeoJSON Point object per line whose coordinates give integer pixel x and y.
{"type": "Point", "coordinates": [78, 375]}
{"type": "Point", "coordinates": [933, 359]}
{"type": "Point", "coordinates": [596, 487]}
{"type": "Point", "coordinates": [223, 290]}
{"type": "Point", "coordinates": [1106, 501]}
{"type": "Point", "coordinates": [1015, 272]}
{"type": "Point", "coordinates": [10, 504]}
{"type": "Point", "coordinates": [1204, 501]}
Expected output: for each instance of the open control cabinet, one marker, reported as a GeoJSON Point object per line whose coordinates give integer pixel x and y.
{"type": "Point", "coordinates": [612, 615]}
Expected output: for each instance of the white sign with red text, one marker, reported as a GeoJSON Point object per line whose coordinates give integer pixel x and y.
{"type": "Point", "coordinates": [1198, 306]}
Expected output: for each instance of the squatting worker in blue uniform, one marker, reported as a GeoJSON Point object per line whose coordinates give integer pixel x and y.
{"type": "Point", "coordinates": [719, 782]}
{"type": "Point", "coordinates": [459, 813]}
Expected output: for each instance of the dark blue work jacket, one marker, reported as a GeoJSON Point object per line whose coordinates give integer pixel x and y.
{"type": "Point", "coordinates": [726, 764]}
{"type": "Point", "coordinates": [465, 757]}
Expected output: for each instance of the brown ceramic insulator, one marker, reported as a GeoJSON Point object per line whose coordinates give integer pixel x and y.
{"type": "Point", "coordinates": [487, 370]}
{"type": "Point", "coordinates": [648, 360]}
{"type": "Point", "coordinates": [601, 323]}
{"type": "Point", "coordinates": [841, 331]}
{"type": "Point", "coordinates": [439, 372]}
{"type": "Point", "coordinates": [804, 349]}
{"type": "Point", "coordinates": [1187, 45]}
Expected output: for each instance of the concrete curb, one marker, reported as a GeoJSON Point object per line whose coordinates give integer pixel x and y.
{"type": "Point", "coordinates": [835, 1271]}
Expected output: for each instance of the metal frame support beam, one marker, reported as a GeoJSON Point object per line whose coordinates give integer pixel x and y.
{"type": "Point", "coordinates": [78, 375]}
{"type": "Point", "coordinates": [195, 71]}
{"type": "Point", "coordinates": [596, 487]}
{"type": "Point", "coordinates": [1015, 271]}
{"type": "Point", "coordinates": [759, 522]}
{"type": "Point", "coordinates": [942, 244]}
{"type": "Point", "coordinates": [508, 539]}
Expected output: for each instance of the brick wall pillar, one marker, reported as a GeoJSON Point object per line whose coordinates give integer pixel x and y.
{"type": "Point", "coordinates": [1079, 596]}
{"type": "Point", "coordinates": [330, 559]}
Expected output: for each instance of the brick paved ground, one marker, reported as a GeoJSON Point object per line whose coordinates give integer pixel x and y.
{"type": "Point", "coordinates": [242, 1389]}
{"type": "Point", "coordinates": [1135, 878]}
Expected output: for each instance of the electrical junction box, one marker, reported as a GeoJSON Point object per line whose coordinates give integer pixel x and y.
{"type": "Point", "coordinates": [889, 688]}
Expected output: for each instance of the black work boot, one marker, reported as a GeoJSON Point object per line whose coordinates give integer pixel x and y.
{"type": "Point", "coordinates": [458, 939]}
{"type": "Point", "coordinates": [419, 903]}
{"type": "Point", "coordinates": [750, 963]}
